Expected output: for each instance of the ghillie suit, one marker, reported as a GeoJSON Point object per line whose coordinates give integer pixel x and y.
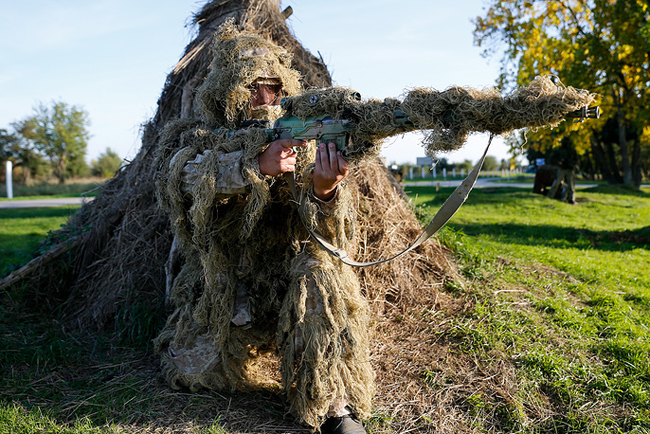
{"type": "Point", "coordinates": [247, 245]}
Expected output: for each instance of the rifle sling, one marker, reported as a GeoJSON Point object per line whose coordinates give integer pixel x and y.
{"type": "Point", "coordinates": [446, 211]}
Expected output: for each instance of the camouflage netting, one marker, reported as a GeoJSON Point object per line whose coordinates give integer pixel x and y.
{"type": "Point", "coordinates": [448, 116]}
{"type": "Point", "coordinates": [224, 97]}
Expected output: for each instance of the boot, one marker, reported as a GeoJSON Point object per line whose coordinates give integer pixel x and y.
{"type": "Point", "coordinates": [347, 424]}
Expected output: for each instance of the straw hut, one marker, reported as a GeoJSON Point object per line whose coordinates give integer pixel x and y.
{"type": "Point", "coordinates": [106, 268]}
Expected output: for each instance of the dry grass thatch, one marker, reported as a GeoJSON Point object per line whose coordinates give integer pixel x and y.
{"type": "Point", "coordinates": [115, 278]}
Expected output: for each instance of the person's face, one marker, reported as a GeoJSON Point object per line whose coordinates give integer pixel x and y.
{"type": "Point", "coordinates": [265, 94]}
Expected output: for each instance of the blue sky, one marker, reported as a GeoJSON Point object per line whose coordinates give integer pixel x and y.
{"type": "Point", "coordinates": [111, 58]}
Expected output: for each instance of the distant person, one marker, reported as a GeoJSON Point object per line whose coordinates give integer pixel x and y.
{"type": "Point", "coordinates": [565, 158]}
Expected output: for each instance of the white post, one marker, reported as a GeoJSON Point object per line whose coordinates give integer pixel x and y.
{"type": "Point", "coordinates": [411, 172]}
{"type": "Point", "coordinates": [453, 172]}
{"type": "Point", "coordinates": [462, 172]}
{"type": "Point", "coordinates": [10, 186]}
{"type": "Point", "coordinates": [422, 171]}
{"type": "Point", "coordinates": [435, 175]}
{"type": "Point", "coordinates": [444, 173]}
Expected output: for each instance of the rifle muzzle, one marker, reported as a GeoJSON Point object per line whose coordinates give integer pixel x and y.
{"type": "Point", "coordinates": [584, 113]}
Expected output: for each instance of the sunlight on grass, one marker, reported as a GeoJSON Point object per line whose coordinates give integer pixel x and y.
{"type": "Point", "coordinates": [16, 420]}
{"type": "Point", "coordinates": [22, 229]}
{"type": "Point", "coordinates": [554, 297]}
{"type": "Point", "coordinates": [577, 317]}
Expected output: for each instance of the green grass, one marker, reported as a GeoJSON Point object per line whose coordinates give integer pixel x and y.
{"type": "Point", "coordinates": [22, 229]}
{"type": "Point", "coordinates": [557, 294]}
{"type": "Point", "coordinates": [15, 419]}
{"type": "Point", "coordinates": [563, 292]}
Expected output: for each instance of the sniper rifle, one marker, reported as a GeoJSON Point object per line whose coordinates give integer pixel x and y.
{"type": "Point", "coordinates": [338, 116]}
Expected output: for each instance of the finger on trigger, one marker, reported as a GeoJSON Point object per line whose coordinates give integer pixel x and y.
{"type": "Point", "coordinates": [333, 157]}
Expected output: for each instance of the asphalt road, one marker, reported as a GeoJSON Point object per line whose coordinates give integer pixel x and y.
{"type": "Point", "coordinates": [480, 183]}
{"type": "Point", "coordinates": [40, 203]}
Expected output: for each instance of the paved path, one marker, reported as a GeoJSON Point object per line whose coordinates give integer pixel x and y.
{"type": "Point", "coordinates": [38, 203]}
{"type": "Point", "coordinates": [483, 183]}
{"type": "Point", "coordinates": [480, 183]}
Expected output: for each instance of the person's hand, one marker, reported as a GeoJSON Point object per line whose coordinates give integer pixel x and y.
{"type": "Point", "coordinates": [279, 157]}
{"type": "Point", "coordinates": [331, 168]}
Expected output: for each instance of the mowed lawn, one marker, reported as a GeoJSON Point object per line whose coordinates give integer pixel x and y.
{"type": "Point", "coordinates": [555, 297]}
{"type": "Point", "coordinates": [563, 292]}
{"type": "Point", "coordinates": [22, 229]}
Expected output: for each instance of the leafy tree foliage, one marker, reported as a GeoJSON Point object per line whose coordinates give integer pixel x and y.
{"type": "Point", "coordinates": [600, 45]}
{"type": "Point", "coordinates": [466, 165]}
{"type": "Point", "coordinates": [15, 148]}
{"type": "Point", "coordinates": [106, 164]}
{"type": "Point", "coordinates": [60, 134]}
{"type": "Point", "coordinates": [491, 163]}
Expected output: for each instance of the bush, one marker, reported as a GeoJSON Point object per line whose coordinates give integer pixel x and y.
{"type": "Point", "coordinates": [107, 164]}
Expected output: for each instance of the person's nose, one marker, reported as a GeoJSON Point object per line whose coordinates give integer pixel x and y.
{"type": "Point", "coordinates": [266, 95]}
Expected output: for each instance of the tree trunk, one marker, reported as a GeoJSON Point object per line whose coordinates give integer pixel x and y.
{"type": "Point", "coordinates": [587, 165]}
{"type": "Point", "coordinates": [25, 175]}
{"type": "Point", "coordinates": [637, 176]}
{"type": "Point", "coordinates": [612, 163]}
{"type": "Point", "coordinates": [600, 159]}
{"type": "Point", "coordinates": [622, 143]}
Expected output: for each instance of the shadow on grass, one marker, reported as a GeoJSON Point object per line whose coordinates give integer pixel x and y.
{"type": "Point", "coordinates": [71, 375]}
{"type": "Point", "coordinates": [626, 190]}
{"type": "Point", "coordinates": [560, 237]}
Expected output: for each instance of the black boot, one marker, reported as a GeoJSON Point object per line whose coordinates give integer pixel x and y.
{"type": "Point", "coordinates": [347, 424]}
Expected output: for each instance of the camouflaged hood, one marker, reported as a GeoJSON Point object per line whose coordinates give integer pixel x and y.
{"type": "Point", "coordinates": [240, 58]}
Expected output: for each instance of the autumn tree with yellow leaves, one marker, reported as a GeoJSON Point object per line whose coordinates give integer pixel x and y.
{"type": "Point", "coordinates": [599, 45]}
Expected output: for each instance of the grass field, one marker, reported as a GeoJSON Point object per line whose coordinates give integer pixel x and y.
{"type": "Point", "coordinates": [22, 229]}
{"type": "Point", "coordinates": [564, 292]}
{"type": "Point", "coordinates": [558, 294]}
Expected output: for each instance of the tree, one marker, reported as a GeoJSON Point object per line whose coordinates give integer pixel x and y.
{"type": "Point", "coordinates": [491, 163]}
{"type": "Point", "coordinates": [7, 144]}
{"type": "Point", "coordinates": [106, 164]}
{"type": "Point", "coordinates": [442, 163]}
{"type": "Point", "coordinates": [600, 45]}
{"type": "Point", "coordinates": [60, 133]}
{"type": "Point", "coordinates": [14, 147]}
{"type": "Point", "coordinates": [466, 165]}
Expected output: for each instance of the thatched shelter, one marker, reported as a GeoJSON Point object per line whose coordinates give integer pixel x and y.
{"type": "Point", "coordinates": [112, 273]}
{"type": "Point", "coordinates": [105, 270]}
